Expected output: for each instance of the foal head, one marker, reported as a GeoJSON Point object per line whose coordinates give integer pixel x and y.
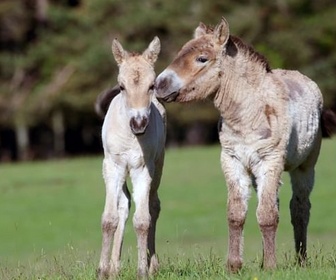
{"type": "Point", "coordinates": [195, 72]}
{"type": "Point", "coordinates": [136, 82]}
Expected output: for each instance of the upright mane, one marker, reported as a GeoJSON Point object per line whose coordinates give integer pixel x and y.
{"type": "Point", "coordinates": [240, 45]}
{"type": "Point", "coordinates": [250, 52]}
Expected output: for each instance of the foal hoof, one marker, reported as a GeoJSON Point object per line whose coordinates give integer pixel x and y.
{"type": "Point", "coordinates": [301, 261]}
{"type": "Point", "coordinates": [142, 275]}
{"type": "Point", "coordinates": [102, 274]}
{"type": "Point", "coordinates": [270, 265]}
{"type": "Point", "coordinates": [234, 266]}
{"type": "Point", "coordinates": [154, 265]}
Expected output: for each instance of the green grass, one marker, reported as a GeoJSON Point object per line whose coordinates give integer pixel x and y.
{"type": "Point", "coordinates": [50, 221]}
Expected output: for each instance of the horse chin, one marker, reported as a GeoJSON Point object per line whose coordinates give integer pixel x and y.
{"type": "Point", "coordinates": [171, 97]}
{"type": "Point", "coordinates": [139, 132]}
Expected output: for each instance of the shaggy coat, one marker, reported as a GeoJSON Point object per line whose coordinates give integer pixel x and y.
{"type": "Point", "coordinates": [270, 122]}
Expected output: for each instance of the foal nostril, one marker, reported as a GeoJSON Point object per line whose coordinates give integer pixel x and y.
{"type": "Point", "coordinates": [138, 124]}
{"type": "Point", "coordinates": [161, 84]}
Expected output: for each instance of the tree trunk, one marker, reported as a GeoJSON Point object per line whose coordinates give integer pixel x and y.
{"type": "Point", "coordinates": [22, 140]}
{"type": "Point", "coordinates": [41, 11]}
{"type": "Point", "coordinates": [59, 131]}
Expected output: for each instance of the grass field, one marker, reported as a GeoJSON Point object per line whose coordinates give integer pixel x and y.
{"type": "Point", "coordinates": [50, 221]}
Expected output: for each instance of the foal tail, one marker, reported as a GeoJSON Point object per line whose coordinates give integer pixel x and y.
{"type": "Point", "coordinates": [328, 123]}
{"type": "Point", "coordinates": [104, 99]}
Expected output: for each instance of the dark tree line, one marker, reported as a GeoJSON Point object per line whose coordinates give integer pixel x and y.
{"type": "Point", "coordinates": [55, 58]}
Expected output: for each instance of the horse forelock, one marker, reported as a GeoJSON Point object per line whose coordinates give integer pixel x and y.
{"type": "Point", "coordinates": [199, 44]}
{"type": "Point", "coordinates": [136, 69]}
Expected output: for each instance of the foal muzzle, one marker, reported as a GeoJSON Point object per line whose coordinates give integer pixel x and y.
{"type": "Point", "coordinates": [139, 119]}
{"type": "Point", "coordinates": [139, 124]}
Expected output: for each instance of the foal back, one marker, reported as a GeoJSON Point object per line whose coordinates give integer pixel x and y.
{"type": "Point", "coordinates": [305, 105]}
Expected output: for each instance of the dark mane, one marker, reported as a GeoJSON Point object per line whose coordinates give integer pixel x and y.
{"type": "Point", "coordinates": [251, 52]}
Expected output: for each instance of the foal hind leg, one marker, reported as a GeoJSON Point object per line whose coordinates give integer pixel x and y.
{"type": "Point", "coordinates": [302, 184]}
{"type": "Point", "coordinates": [154, 210]}
{"type": "Point", "coordinates": [123, 211]}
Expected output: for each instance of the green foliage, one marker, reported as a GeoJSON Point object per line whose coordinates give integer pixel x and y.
{"type": "Point", "coordinates": [50, 221]}
{"type": "Point", "coordinates": [295, 34]}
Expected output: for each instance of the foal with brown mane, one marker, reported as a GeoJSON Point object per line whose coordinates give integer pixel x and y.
{"type": "Point", "coordinates": [271, 121]}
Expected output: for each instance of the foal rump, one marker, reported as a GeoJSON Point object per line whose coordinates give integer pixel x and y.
{"type": "Point", "coordinates": [104, 100]}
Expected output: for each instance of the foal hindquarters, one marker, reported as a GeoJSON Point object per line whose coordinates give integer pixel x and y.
{"type": "Point", "coordinates": [302, 180]}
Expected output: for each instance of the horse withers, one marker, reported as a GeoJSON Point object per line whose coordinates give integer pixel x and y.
{"type": "Point", "coordinates": [133, 136]}
{"type": "Point", "coordinates": [271, 121]}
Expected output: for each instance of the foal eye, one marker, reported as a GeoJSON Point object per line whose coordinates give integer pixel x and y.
{"type": "Point", "coordinates": [121, 87]}
{"type": "Point", "coordinates": [201, 59]}
{"type": "Point", "coordinates": [151, 87]}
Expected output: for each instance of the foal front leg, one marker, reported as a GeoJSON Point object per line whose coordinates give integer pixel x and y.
{"type": "Point", "coordinates": [111, 221]}
{"type": "Point", "coordinates": [268, 182]}
{"type": "Point", "coordinates": [238, 182]}
{"type": "Point", "coordinates": [141, 180]}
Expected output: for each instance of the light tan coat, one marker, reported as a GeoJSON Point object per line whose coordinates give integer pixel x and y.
{"type": "Point", "coordinates": [133, 135]}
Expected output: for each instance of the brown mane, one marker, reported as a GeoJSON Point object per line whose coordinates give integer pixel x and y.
{"type": "Point", "coordinates": [251, 52]}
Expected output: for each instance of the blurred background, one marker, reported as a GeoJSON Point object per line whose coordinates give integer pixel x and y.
{"type": "Point", "coordinates": [55, 58]}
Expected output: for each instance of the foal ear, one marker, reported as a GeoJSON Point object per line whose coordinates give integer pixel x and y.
{"type": "Point", "coordinates": [118, 52]}
{"type": "Point", "coordinates": [200, 30]}
{"type": "Point", "coordinates": [222, 32]}
{"type": "Point", "coordinates": [152, 52]}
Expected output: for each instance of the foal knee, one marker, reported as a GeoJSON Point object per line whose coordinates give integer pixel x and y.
{"type": "Point", "coordinates": [109, 224]}
{"type": "Point", "coordinates": [236, 214]}
{"type": "Point", "coordinates": [141, 224]}
{"type": "Point", "coordinates": [268, 214]}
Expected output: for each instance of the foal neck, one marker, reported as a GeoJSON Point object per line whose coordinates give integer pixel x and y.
{"type": "Point", "coordinates": [243, 81]}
